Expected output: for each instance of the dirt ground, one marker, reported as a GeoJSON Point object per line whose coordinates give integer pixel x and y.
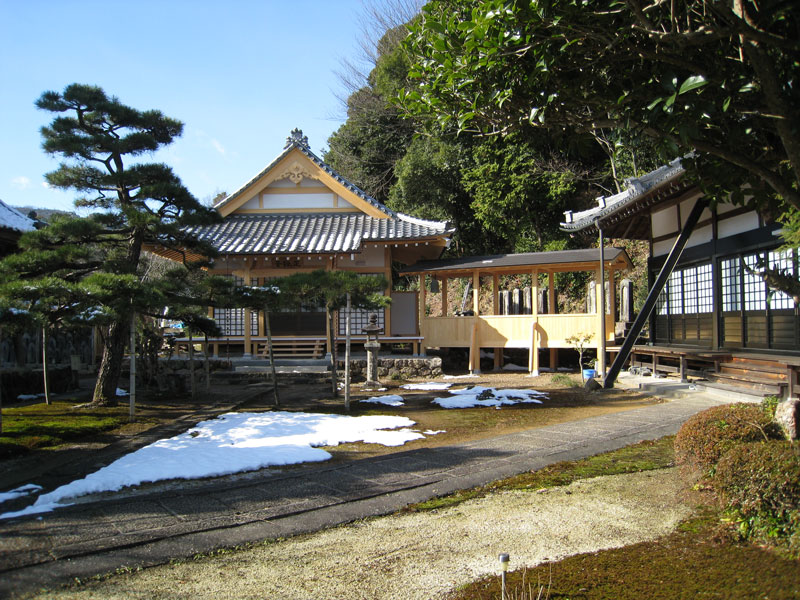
{"type": "Point", "coordinates": [420, 555]}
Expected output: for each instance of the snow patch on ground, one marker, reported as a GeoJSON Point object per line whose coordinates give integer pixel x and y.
{"type": "Point", "coordinates": [389, 400]}
{"type": "Point", "coordinates": [232, 443]}
{"type": "Point", "coordinates": [513, 367]}
{"type": "Point", "coordinates": [29, 396]}
{"type": "Point", "coordinates": [460, 376]}
{"type": "Point", "coordinates": [430, 385]}
{"type": "Point", "coordinates": [24, 490]}
{"type": "Point", "coordinates": [482, 396]}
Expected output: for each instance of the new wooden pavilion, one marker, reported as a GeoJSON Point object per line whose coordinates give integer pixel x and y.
{"type": "Point", "coordinates": [532, 331]}
{"type": "Point", "coordinates": [298, 214]}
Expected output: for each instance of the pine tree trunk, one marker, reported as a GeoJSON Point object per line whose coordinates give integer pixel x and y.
{"type": "Point", "coordinates": [271, 358]}
{"type": "Point", "coordinates": [105, 390]}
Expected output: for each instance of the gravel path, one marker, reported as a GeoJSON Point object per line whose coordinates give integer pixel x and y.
{"type": "Point", "coordinates": [423, 555]}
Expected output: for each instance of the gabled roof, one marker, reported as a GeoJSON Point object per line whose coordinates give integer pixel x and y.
{"type": "Point", "coordinates": [624, 209]}
{"type": "Point", "coordinates": [317, 231]}
{"type": "Point", "coordinates": [297, 140]}
{"type": "Point", "coordinates": [314, 233]}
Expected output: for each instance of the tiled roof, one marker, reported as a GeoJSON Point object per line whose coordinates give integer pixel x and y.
{"type": "Point", "coordinates": [297, 233]}
{"type": "Point", "coordinates": [636, 188]}
{"type": "Point", "coordinates": [11, 218]}
{"type": "Point", "coordinates": [299, 141]}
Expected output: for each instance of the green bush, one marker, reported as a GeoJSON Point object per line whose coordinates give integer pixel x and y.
{"type": "Point", "coordinates": [706, 436]}
{"type": "Point", "coordinates": [759, 483]}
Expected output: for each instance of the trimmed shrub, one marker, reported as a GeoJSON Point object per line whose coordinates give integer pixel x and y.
{"type": "Point", "coordinates": [706, 436]}
{"type": "Point", "coordinates": [759, 483]}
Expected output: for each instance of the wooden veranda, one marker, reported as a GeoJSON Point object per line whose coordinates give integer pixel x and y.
{"type": "Point", "coordinates": [533, 331]}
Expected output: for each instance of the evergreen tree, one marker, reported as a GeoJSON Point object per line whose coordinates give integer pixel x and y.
{"type": "Point", "coordinates": [137, 205]}
{"type": "Point", "coordinates": [330, 289]}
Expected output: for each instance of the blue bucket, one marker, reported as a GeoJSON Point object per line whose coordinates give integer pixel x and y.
{"type": "Point", "coordinates": [589, 373]}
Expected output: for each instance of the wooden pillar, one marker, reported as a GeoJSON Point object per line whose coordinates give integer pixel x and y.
{"type": "Point", "coordinates": [247, 341]}
{"type": "Point", "coordinates": [474, 349]}
{"type": "Point", "coordinates": [476, 292]}
{"type": "Point", "coordinates": [495, 294]}
{"type": "Point", "coordinates": [475, 345]}
{"type": "Point", "coordinates": [599, 291]}
{"type": "Point", "coordinates": [552, 308]}
{"type": "Point", "coordinates": [444, 296]}
{"type": "Point", "coordinates": [422, 299]}
{"type": "Point", "coordinates": [533, 354]}
{"type": "Point", "coordinates": [498, 352]}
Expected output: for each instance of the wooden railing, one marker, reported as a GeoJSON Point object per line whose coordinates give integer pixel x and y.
{"type": "Point", "coordinates": [511, 331]}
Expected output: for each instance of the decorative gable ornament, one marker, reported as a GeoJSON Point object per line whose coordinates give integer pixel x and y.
{"type": "Point", "coordinates": [295, 173]}
{"type": "Point", "coordinates": [296, 138]}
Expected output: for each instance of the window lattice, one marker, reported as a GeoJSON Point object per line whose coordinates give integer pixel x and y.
{"type": "Point", "coordinates": [359, 318]}
{"type": "Point", "coordinates": [705, 289]}
{"type": "Point", "coordinates": [661, 302]}
{"type": "Point", "coordinates": [731, 284]}
{"type": "Point", "coordinates": [690, 290]}
{"type": "Point", "coordinates": [755, 290]}
{"type": "Point", "coordinates": [231, 321]}
{"type": "Point", "coordinates": [782, 261]}
{"type": "Point", "coordinates": [675, 293]}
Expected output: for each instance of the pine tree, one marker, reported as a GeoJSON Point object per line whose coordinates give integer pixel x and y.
{"type": "Point", "coordinates": [137, 205]}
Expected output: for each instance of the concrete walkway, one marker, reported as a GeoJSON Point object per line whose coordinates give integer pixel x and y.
{"type": "Point", "coordinates": [153, 525]}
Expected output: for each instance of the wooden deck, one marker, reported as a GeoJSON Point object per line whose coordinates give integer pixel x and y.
{"type": "Point", "coordinates": [754, 372]}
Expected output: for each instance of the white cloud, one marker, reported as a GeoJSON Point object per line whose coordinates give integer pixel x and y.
{"type": "Point", "coordinates": [21, 183]}
{"type": "Point", "coordinates": [213, 142]}
{"type": "Point", "coordinates": [46, 185]}
{"type": "Point", "coordinates": [219, 147]}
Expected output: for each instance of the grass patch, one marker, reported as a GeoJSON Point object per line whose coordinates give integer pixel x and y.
{"type": "Point", "coordinates": [42, 426]}
{"type": "Point", "coordinates": [698, 560]}
{"type": "Point", "coordinates": [644, 456]}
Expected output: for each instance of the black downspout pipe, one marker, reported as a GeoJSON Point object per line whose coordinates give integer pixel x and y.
{"type": "Point", "coordinates": [655, 291]}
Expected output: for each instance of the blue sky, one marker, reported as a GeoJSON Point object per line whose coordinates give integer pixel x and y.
{"type": "Point", "coordinates": [239, 74]}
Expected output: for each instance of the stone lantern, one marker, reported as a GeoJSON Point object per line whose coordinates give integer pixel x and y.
{"type": "Point", "coordinates": [371, 346]}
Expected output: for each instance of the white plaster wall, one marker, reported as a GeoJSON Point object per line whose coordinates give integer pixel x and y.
{"type": "Point", "coordinates": [664, 221]}
{"type": "Point", "coordinates": [370, 256]}
{"type": "Point", "coordinates": [252, 203]}
{"type": "Point", "coordinates": [739, 224]}
{"type": "Point", "coordinates": [686, 208]}
{"type": "Point", "coordinates": [273, 201]}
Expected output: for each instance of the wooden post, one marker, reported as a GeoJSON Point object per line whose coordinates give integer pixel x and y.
{"type": "Point", "coordinates": [474, 349]}
{"type": "Point", "coordinates": [476, 292]}
{"type": "Point", "coordinates": [248, 348]}
{"type": "Point", "coordinates": [132, 391]}
{"type": "Point", "coordinates": [444, 296]}
{"type": "Point", "coordinates": [498, 352]}
{"type": "Point", "coordinates": [271, 355]}
{"type": "Point", "coordinates": [191, 366]}
{"type": "Point", "coordinates": [495, 294]}
{"type": "Point", "coordinates": [347, 356]}
{"type": "Point", "coordinates": [44, 365]}
{"type": "Point", "coordinates": [601, 308]}
{"type": "Point", "coordinates": [533, 354]}
{"type": "Point", "coordinates": [599, 293]}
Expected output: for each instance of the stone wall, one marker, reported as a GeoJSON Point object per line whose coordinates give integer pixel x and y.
{"type": "Point", "coordinates": [174, 374]}
{"type": "Point", "coordinates": [16, 381]}
{"type": "Point", "coordinates": [398, 368]}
